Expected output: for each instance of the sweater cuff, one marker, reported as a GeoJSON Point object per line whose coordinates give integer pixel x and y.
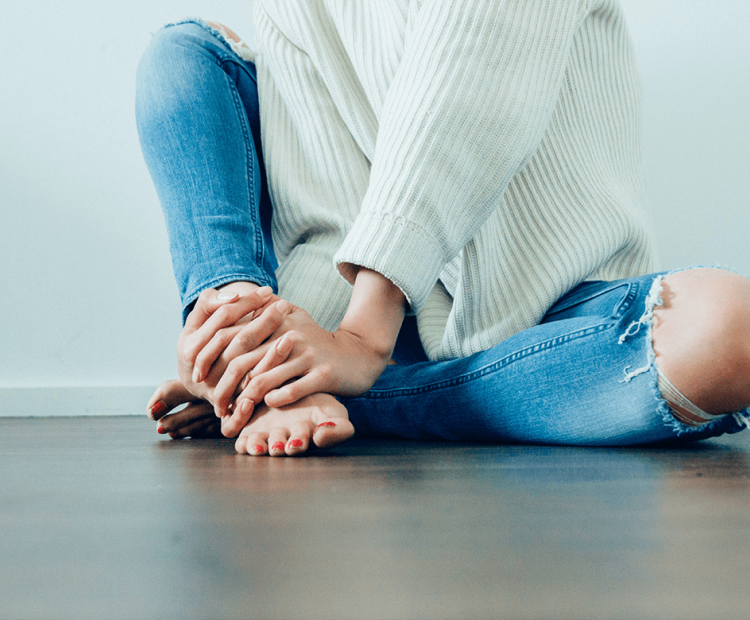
{"type": "Point", "coordinates": [399, 249]}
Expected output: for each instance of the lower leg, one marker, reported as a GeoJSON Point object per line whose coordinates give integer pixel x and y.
{"type": "Point", "coordinates": [192, 99]}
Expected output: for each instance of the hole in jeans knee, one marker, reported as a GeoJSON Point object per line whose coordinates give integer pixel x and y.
{"type": "Point", "coordinates": [682, 408]}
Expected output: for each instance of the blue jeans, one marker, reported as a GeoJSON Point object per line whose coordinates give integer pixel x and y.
{"type": "Point", "coordinates": [584, 376]}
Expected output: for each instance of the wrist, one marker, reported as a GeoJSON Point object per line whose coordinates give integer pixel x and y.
{"type": "Point", "coordinates": [375, 313]}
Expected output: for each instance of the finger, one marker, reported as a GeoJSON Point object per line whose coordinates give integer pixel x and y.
{"type": "Point", "coordinates": [274, 378]}
{"type": "Point", "coordinates": [211, 352]}
{"type": "Point", "coordinates": [225, 315]}
{"type": "Point", "coordinates": [167, 396]}
{"type": "Point", "coordinates": [233, 375]}
{"type": "Point", "coordinates": [296, 390]}
{"type": "Point", "coordinates": [259, 330]}
{"type": "Point", "coordinates": [299, 438]}
{"type": "Point", "coordinates": [277, 439]}
{"type": "Point", "coordinates": [206, 304]}
{"type": "Point", "coordinates": [277, 354]}
{"type": "Point", "coordinates": [233, 424]}
{"type": "Point", "coordinates": [173, 422]}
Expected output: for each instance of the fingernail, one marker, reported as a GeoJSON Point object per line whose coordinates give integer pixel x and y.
{"type": "Point", "coordinates": [281, 344]}
{"type": "Point", "coordinates": [329, 424]}
{"type": "Point", "coordinates": [227, 295]}
{"type": "Point", "coordinates": [283, 306]}
{"type": "Point", "coordinates": [279, 445]}
{"type": "Point", "coordinates": [197, 376]}
{"type": "Point", "coordinates": [295, 443]}
{"type": "Point", "coordinates": [161, 430]}
{"type": "Point", "coordinates": [257, 448]}
{"type": "Point", "coordinates": [157, 409]}
{"type": "Point", "coordinates": [264, 291]}
{"type": "Point", "coordinates": [247, 403]}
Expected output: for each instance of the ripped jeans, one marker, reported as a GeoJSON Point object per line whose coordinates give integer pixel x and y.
{"type": "Point", "coordinates": [584, 376]}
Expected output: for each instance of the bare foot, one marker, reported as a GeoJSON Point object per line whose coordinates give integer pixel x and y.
{"type": "Point", "coordinates": [197, 420]}
{"type": "Point", "coordinates": [284, 431]}
{"type": "Point", "coordinates": [288, 430]}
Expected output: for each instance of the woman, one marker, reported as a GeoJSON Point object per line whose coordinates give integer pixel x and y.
{"type": "Point", "coordinates": [476, 166]}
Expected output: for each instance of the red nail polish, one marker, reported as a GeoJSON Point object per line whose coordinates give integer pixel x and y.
{"type": "Point", "coordinates": [329, 424]}
{"type": "Point", "coordinates": [295, 443]}
{"type": "Point", "coordinates": [173, 435]}
{"type": "Point", "coordinates": [277, 446]}
{"type": "Point", "coordinates": [258, 448]}
{"type": "Point", "coordinates": [157, 409]}
{"type": "Point", "coordinates": [161, 430]}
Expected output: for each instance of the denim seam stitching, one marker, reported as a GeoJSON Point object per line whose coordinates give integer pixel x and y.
{"type": "Point", "coordinates": [260, 243]}
{"type": "Point", "coordinates": [506, 361]}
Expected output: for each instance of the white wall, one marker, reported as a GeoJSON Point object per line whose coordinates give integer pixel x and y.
{"type": "Point", "coordinates": [88, 295]}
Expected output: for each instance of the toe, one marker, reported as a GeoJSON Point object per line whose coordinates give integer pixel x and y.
{"type": "Point", "coordinates": [168, 395]}
{"type": "Point", "coordinates": [332, 432]}
{"type": "Point", "coordinates": [255, 444]}
{"type": "Point", "coordinates": [277, 440]}
{"type": "Point", "coordinates": [299, 438]}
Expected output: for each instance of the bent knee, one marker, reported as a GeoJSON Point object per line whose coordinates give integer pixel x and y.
{"type": "Point", "coordinates": [701, 337]}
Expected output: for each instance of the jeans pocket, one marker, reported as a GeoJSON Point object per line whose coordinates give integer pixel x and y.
{"type": "Point", "coordinates": [593, 298]}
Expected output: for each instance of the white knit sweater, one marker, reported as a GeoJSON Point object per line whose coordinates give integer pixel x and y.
{"type": "Point", "coordinates": [484, 155]}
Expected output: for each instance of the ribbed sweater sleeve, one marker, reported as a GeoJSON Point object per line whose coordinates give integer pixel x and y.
{"type": "Point", "coordinates": [469, 104]}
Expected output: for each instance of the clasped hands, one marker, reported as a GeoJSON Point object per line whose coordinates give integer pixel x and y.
{"type": "Point", "coordinates": [236, 351]}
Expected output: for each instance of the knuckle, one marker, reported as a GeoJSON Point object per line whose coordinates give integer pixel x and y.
{"type": "Point", "coordinates": [205, 296]}
{"type": "Point", "coordinates": [246, 336]}
{"type": "Point", "coordinates": [234, 367]}
{"type": "Point", "coordinates": [223, 313]}
{"type": "Point", "coordinates": [190, 352]}
{"type": "Point", "coordinates": [325, 372]}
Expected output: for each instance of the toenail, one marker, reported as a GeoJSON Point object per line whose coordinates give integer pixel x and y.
{"type": "Point", "coordinates": [295, 443]}
{"type": "Point", "coordinates": [277, 446]}
{"type": "Point", "coordinates": [161, 430]}
{"type": "Point", "coordinates": [329, 424]}
{"type": "Point", "coordinates": [257, 448]}
{"type": "Point", "coordinates": [157, 409]}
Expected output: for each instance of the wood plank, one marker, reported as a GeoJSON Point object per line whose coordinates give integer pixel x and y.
{"type": "Point", "coordinates": [101, 517]}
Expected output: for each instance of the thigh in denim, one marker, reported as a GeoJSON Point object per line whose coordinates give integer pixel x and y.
{"type": "Point", "coordinates": [584, 376]}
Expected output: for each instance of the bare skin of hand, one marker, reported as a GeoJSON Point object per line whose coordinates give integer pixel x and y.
{"type": "Point", "coordinates": [305, 359]}
{"type": "Point", "coordinates": [317, 420]}
{"type": "Point", "coordinates": [218, 320]}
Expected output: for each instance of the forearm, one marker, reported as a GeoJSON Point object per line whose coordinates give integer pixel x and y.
{"type": "Point", "coordinates": [375, 312]}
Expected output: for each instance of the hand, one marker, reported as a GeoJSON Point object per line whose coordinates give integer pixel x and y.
{"type": "Point", "coordinates": [303, 359]}
{"type": "Point", "coordinates": [220, 318]}
{"type": "Point", "coordinates": [307, 359]}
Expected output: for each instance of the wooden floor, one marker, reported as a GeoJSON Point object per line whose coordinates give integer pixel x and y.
{"type": "Point", "coordinates": [101, 518]}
